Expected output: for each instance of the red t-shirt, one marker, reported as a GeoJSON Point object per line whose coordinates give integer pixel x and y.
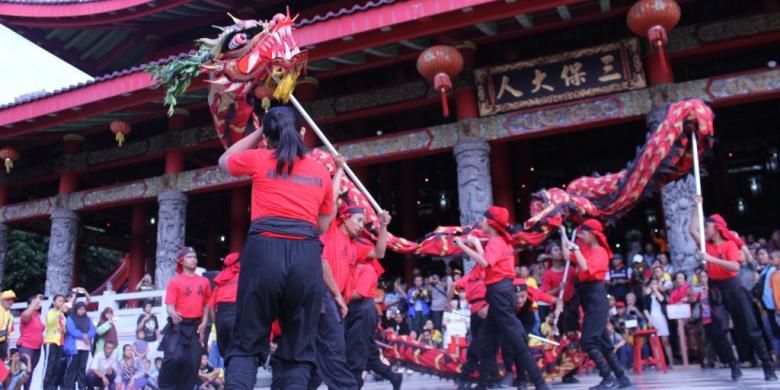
{"type": "Point", "coordinates": [726, 250]}
{"type": "Point", "coordinates": [474, 285]}
{"type": "Point", "coordinates": [342, 254]}
{"type": "Point", "coordinates": [365, 280]}
{"type": "Point", "coordinates": [501, 260]}
{"type": "Point", "coordinates": [302, 195]}
{"type": "Point", "coordinates": [225, 293]}
{"type": "Point", "coordinates": [189, 294]}
{"type": "Point", "coordinates": [598, 264]}
{"type": "Point", "coordinates": [553, 279]}
{"type": "Point", "coordinates": [31, 332]}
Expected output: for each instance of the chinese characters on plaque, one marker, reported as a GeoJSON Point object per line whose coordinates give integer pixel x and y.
{"type": "Point", "coordinates": [574, 75]}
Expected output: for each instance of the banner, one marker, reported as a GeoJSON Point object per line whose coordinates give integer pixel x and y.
{"type": "Point", "coordinates": [562, 77]}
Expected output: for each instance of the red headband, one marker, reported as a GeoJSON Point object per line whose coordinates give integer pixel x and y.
{"type": "Point", "coordinates": [231, 270]}
{"type": "Point", "coordinates": [595, 227]}
{"type": "Point", "coordinates": [723, 229]}
{"type": "Point", "coordinates": [498, 218]}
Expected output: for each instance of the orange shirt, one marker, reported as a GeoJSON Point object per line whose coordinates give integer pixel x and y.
{"type": "Point", "coordinates": [726, 250]}
{"type": "Point", "coordinates": [598, 264]}
{"type": "Point", "coordinates": [225, 293]}
{"type": "Point", "coordinates": [342, 254]}
{"type": "Point", "coordinates": [774, 283]}
{"type": "Point", "coordinates": [501, 260]}
{"type": "Point", "coordinates": [189, 294]}
{"type": "Point", "coordinates": [302, 195]}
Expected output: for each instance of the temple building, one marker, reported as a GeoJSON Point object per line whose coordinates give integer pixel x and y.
{"type": "Point", "coordinates": [550, 90]}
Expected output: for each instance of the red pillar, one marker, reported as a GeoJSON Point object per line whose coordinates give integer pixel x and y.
{"type": "Point", "coordinates": [68, 184]}
{"type": "Point", "coordinates": [174, 158]}
{"type": "Point", "coordinates": [466, 98]}
{"type": "Point", "coordinates": [3, 195]}
{"type": "Point", "coordinates": [659, 70]}
{"type": "Point", "coordinates": [408, 209]}
{"type": "Point", "coordinates": [137, 245]}
{"type": "Point", "coordinates": [501, 178]}
{"type": "Point", "coordinates": [212, 243]}
{"type": "Point", "coordinates": [239, 217]}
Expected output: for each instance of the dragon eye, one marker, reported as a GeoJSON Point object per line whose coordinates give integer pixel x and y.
{"type": "Point", "coordinates": [237, 41]}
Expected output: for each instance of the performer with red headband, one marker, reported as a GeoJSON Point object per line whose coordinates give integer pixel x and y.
{"type": "Point", "coordinates": [592, 255]}
{"type": "Point", "coordinates": [292, 204]}
{"type": "Point", "coordinates": [498, 260]}
{"type": "Point", "coordinates": [186, 299]}
{"type": "Point", "coordinates": [568, 319]}
{"type": "Point", "coordinates": [722, 256]}
{"type": "Point", "coordinates": [341, 254]}
{"type": "Point", "coordinates": [222, 305]}
{"type": "Point", "coordinates": [527, 312]}
{"type": "Point", "coordinates": [474, 286]}
{"type": "Point", "coordinates": [362, 320]}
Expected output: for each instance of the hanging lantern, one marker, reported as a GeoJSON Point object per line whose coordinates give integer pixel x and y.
{"type": "Point", "coordinates": [652, 19]}
{"type": "Point", "coordinates": [440, 63]}
{"type": "Point", "coordinates": [9, 155]}
{"type": "Point", "coordinates": [120, 128]}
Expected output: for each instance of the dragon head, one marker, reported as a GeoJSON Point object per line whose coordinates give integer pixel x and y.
{"type": "Point", "coordinates": [250, 63]}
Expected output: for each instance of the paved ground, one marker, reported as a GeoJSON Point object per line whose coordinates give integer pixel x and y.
{"type": "Point", "coordinates": [679, 378]}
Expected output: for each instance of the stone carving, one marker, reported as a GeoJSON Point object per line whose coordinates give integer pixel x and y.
{"type": "Point", "coordinates": [62, 251]}
{"type": "Point", "coordinates": [3, 250]}
{"type": "Point", "coordinates": [475, 193]}
{"type": "Point", "coordinates": [171, 225]}
{"type": "Point", "coordinates": [678, 202]}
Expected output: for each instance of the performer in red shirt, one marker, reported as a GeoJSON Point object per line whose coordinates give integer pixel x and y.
{"type": "Point", "coordinates": [362, 320]}
{"type": "Point", "coordinates": [568, 319]}
{"type": "Point", "coordinates": [341, 254]}
{"type": "Point", "coordinates": [186, 299]}
{"type": "Point", "coordinates": [474, 286]}
{"type": "Point", "coordinates": [592, 255]}
{"type": "Point", "coordinates": [498, 260]}
{"type": "Point", "coordinates": [222, 305]}
{"type": "Point", "coordinates": [722, 257]}
{"type": "Point", "coordinates": [292, 204]}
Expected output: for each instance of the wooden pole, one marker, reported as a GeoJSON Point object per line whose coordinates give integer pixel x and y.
{"type": "Point", "coordinates": [697, 176]}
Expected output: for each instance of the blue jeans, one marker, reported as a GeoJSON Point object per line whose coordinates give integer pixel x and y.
{"type": "Point", "coordinates": [771, 315]}
{"type": "Point", "coordinates": [625, 355]}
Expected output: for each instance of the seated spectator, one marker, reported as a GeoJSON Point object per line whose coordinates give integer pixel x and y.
{"type": "Point", "coordinates": [399, 326]}
{"type": "Point", "coordinates": [129, 369]}
{"type": "Point", "coordinates": [144, 381]}
{"type": "Point", "coordinates": [619, 278]}
{"type": "Point", "coordinates": [623, 351]}
{"type": "Point", "coordinates": [435, 333]}
{"type": "Point", "coordinates": [154, 373]}
{"type": "Point", "coordinates": [209, 376]}
{"type": "Point", "coordinates": [427, 339]}
{"type": "Point", "coordinates": [102, 371]}
{"type": "Point", "coordinates": [666, 265]}
{"type": "Point", "coordinates": [19, 370]}
{"type": "Point", "coordinates": [632, 310]}
{"type": "Point", "coordinates": [140, 346]}
{"type": "Point", "coordinates": [547, 327]}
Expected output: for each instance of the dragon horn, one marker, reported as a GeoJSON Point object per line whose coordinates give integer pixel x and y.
{"type": "Point", "coordinates": [220, 28]}
{"type": "Point", "coordinates": [235, 19]}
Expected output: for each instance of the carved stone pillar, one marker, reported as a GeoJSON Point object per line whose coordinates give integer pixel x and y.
{"type": "Point", "coordinates": [62, 251]}
{"type": "Point", "coordinates": [475, 194]}
{"type": "Point", "coordinates": [678, 202]}
{"type": "Point", "coordinates": [3, 250]}
{"type": "Point", "coordinates": [171, 225]}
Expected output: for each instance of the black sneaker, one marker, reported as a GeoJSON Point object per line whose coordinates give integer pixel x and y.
{"type": "Point", "coordinates": [623, 382]}
{"type": "Point", "coordinates": [396, 381]}
{"type": "Point", "coordinates": [607, 383]}
{"type": "Point", "coordinates": [570, 380]}
{"type": "Point", "coordinates": [539, 386]}
{"type": "Point", "coordinates": [769, 374]}
{"type": "Point", "coordinates": [736, 372]}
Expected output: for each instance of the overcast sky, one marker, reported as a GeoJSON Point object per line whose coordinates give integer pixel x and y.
{"type": "Point", "coordinates": [28, 68]}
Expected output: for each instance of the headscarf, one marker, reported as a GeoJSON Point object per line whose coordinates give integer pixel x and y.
{"type": "Point", "coordinates": [82, 322]}
{"type": "Point", "coordinates": [111, 334]}
{"type": "Point", "coordinates": [184, 251]}
{"type": "Point", "coordinates": [230, 271]}
{"type": "Point", "coordinates": [498, 218]}
{"type": "Point", "coordinates": [595, 227]}
{"type": "Point", "coordinates": [346, 211]}
{"type": "Point", "coordinates": [723, 229]}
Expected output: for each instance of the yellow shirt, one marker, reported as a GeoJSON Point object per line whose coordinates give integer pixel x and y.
{"type": "Point", "coordinates": [6, 324]}
{"type": "Point", "coordinates": [55, 327]}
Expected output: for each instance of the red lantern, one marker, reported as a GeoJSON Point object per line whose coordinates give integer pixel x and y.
{"type": "Point", "coordinates": [440, 63]}
{"type": "Point", "coordinates": [9, 155]}
{"type": "Point", "coordinates": [652, 19]}
{"type": "Point", "coordinates": [120, 128]}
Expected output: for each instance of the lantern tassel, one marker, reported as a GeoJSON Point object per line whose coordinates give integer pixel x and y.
{"type": "Point", "coordinates": [8, 165]}
{"type": "Point", "coordinates": [445, 108]}
{"type": "Point", "coordinates": [120, 139]}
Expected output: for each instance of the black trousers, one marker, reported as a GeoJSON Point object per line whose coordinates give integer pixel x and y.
{"type": "Point", "coordinates": [330, 350]}
{"type": "Point", "coordinates": [76, 371]}
{"type": "Point", "coordinates": [737, 302]}
{"type": "Point", "coordinates": [501, 320]}
{"type": "Point", "coordinates": [436, 317]}
{"type": "Point", "coordinates": [181, 355]}
{"type": "Point", "coordinates": [94, 381]}
{"type": "Point", "coordinates": [595, 339]}
{"type": "Point", "coordinates": [360, 324]}
{"type": "Point", "coordinates": [280, 278]}
{"type": "Point", "coordinates": [225, 320]}
{"type": "Point", "coordinates": [375, 363]}
{"type": "Point", "coordinates": [472, 354]}
{"type": "Point", "coordinates": [52, 376]}
{"type": "Point", "coordinates": [35, 357]}
{"type": "Point", "coordinates": [717, 329]}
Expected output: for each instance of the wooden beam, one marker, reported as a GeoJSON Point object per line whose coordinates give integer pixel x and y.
{"type": "Point", "coordinates": [563, 12]}
{"type": "Point", "coordinates": [527, 21]}
{"type": "Point", "coordinates": [490, 28]}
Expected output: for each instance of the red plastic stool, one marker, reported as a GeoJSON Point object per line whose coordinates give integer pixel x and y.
{"type": "Point", "coordinates": [656, 352]}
